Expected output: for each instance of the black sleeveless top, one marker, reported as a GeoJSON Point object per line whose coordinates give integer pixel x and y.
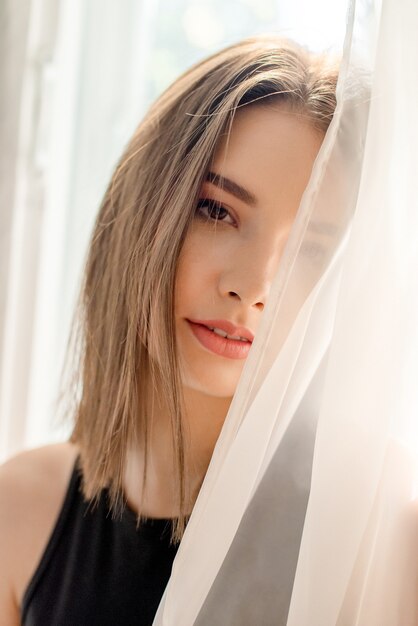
{"type": "Point", "coordinates": [97, 570]}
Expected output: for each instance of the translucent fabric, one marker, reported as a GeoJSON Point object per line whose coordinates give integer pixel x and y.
{"type": "Point", "coordinates": [306, 515]}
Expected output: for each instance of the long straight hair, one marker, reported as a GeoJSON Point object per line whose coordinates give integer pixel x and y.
{"type": "Point", "coordinates": [125, 311]}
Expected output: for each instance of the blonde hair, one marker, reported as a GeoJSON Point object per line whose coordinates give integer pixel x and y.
{"type": "Point", "coordinates": [126, 306]}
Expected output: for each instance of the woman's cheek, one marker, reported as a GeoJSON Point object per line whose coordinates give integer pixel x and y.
{"type": "Point", "coordinates": [205, 255]}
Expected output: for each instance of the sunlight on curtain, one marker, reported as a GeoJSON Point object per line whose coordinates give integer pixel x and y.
{"type": "Point", "coordinates": [23, 211]}
{"type": "Point", "coordinates": [320, 25]}
{"type": "Point", "coordinates": [81, 96]}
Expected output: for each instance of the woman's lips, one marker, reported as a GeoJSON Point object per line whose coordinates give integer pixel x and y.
{"type": "Point", "coordinates": [229, 348]}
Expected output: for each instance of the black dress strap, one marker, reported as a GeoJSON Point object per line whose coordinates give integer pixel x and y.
{"type": "Point", "coordinates": [99, 570]}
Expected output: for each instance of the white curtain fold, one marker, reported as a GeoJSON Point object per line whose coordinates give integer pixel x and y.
{"type": "Point", "coordinates": [306, 514]}
{"type": "Point", "coordinates": [63, 127]}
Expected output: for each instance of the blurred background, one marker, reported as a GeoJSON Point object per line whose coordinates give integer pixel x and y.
{"type": "Point", "coordinates": [76, 76]}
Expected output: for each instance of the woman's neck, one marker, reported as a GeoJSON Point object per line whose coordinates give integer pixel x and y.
{"type": "Point", "coordinates": [203, 422]}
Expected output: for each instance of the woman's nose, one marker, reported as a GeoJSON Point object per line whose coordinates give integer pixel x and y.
{"type": "Point", "coordinates": [250, 272]}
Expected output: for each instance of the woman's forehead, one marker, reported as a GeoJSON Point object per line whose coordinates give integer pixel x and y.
{"type": "Point", "coordinates": [267, 146]}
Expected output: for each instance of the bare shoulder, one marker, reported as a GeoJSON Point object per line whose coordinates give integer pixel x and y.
{"type": "Point", "coordinates": [33, 485]}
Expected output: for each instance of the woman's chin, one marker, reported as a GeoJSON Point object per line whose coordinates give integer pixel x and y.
{"type": "Point", "coordinates": [221, 388]}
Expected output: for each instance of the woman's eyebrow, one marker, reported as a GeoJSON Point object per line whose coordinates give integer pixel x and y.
{"type": "Point", "coordinates": [233, 188]}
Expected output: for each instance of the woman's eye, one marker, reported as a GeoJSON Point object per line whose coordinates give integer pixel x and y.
{"type": "Point", "coordinates": [212, 210]}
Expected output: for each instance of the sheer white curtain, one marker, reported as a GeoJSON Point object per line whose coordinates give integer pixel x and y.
{"type": "Point", "coordinates": [306, 515]}
{"type": "Point", "coordinates": [27, 39]}
{"type": "Point", "coordinates": [72, 75]}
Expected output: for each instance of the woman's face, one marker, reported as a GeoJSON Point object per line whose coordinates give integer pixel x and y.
{"type": "Point", "coordinates": [234, 245]}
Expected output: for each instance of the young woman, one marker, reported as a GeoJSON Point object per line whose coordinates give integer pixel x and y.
{"type": "Point", "coordinates": [182, 257]}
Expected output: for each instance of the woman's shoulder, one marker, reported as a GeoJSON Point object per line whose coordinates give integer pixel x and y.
{"type": "Point", "coordinates": [33, 485]}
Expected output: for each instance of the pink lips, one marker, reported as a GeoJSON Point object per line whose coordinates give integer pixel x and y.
{"type": "Point", "coordinates": [229, 348]}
